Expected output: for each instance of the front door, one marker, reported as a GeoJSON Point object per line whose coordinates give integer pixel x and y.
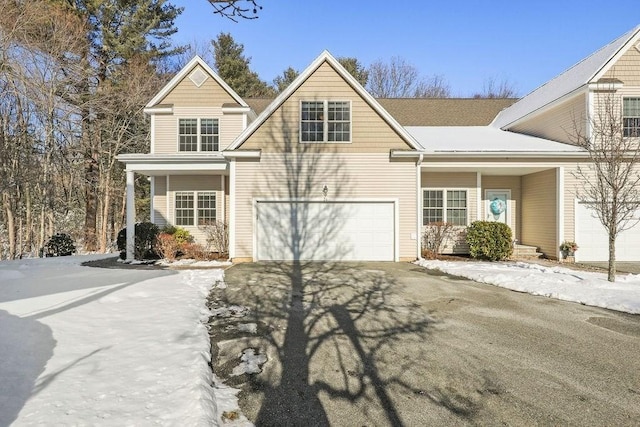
{"type": "Point", "coordinates": [497, 205]}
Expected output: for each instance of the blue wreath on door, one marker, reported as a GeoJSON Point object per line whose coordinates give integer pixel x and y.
{"type": "Point", "coordinates": [497, 206]}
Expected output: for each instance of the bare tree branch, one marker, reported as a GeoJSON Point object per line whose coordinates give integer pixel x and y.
{"type": "Point", "coordinates": [236, 9]}
{"type": "Point", "coordinates": [610, 181]}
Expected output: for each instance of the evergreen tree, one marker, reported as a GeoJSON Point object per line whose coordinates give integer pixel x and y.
{"type": "Point", "coordinates": [233, 67]}
{"type": "Point", "coordinates": [118, 32]}
{"type": "Point", "coordinates": [354, 68]}
{"type": "Point", "coordinates": [283, 81]}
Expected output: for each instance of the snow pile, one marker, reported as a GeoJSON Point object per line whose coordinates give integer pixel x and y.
{"type": "Point", "coordinates": [584, 287]}
{"type": "Point", "coordinates": [89, 346]}
{"type": "Point", "coordinates": [250, 363]}
{"type": "Point", "coordinates": [188, 262]}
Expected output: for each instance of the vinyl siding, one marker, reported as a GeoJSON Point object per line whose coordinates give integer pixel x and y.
{"type": "Point", "coordinates": [348, 176]}
{"type": "Point", "coordinates": [539, 212]}
{"type": "Point", "coordinates": [369, 132]}
{"type": "Point", "coordinates": [512, 183]}
{"type": "Point", "coordinates": [166, 127]}
{"type": "Point", "coordinates": [186, 93]}
{"type": "Point", "coordinates": [559, 123]}
{"type": "Point", "coordinates": [195, 183]}
{"type": "Point", "coordinates": [571, 185]}
{"type": "Point", "coordinates": [455, 181]}
{"type": "Point", "coordinates": [160, 201]}
{"type": "Point", "coordinates": [627, 68]}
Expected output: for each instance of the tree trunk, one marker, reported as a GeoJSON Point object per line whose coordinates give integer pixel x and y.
{"type": "Point", "coordinates": [91, 176]}
{"type": "Point", "coordinates": [11, 226]}
{"type": "Point", "coordinates": [612, 258]}
{"type": "Point", "coordinates": [28, 221]}
{"type": "Point", "coordinates": [106, 202]}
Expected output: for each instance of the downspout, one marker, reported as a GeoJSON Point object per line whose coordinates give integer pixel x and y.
{"type": "Point", "coordinates": [419, 206]}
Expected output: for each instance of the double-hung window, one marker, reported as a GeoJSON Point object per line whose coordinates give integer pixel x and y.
{"type": "Point", "coordinates": [444, 206]}
{"type": "Point", "coordinates": [198, 135]}
{"type": "Point", "coordinates": [325, 121]}
{"type": "Point", "coordinates": [631, 117]}
{"type": "Point", "coordinates": [195, 208]}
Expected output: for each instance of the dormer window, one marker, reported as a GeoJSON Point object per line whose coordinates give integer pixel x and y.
{"type": "Point", "coordinates": [198, 135]}
{"type": "Point", "coordinates": [631, 117]}
{"type": "Point", "coordinates": [325, 121]}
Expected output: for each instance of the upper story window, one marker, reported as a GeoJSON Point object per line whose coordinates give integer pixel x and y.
{"type": "Point", "coordinates": [198, 135]}
{"type": "Point", "coordinates": [631, 117]}
{"type": "Point", "coordinates": [444, 206]}
{"type": "Point", "coordinates": [325, 121]}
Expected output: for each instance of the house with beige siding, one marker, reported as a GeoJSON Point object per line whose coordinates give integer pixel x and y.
{"type": "Point", "coordinates": [326, 172]}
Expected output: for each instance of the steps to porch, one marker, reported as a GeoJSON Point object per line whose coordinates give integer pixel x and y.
{"type": "Point", "coordinates": [525, 252]}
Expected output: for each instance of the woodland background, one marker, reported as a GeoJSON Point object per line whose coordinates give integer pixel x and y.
{"type": "Point", "coordinates": [74, 78]}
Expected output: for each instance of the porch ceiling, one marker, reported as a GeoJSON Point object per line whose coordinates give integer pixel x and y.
{"type": "Point", "coordinates": [494, 170]}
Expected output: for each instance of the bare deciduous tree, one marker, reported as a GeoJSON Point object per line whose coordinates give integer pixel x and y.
{"type": "Point", "coordinates": [400, 79]}
{"type": "Point", "coordinates": [610, 181]}
{"type": "Point", "coordinates": [494, 88]}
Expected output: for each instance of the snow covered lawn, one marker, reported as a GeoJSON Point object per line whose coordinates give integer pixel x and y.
{"type": "Point", "coordinates": [584, 287]}
{"type": "Point", "coordinates": [92, 346]}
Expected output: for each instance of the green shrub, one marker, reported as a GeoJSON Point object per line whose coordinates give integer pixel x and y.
{"type": "Point", "coordinates": [144, 247]}
{"type": "Point", "coordinates": [169, 229]}
{"type": "Point", "coordinates": [489, 240]}
{"type": "Point", "coordinates": [60, 244]}
{"type": "Point", "coordinates": [182, 236]}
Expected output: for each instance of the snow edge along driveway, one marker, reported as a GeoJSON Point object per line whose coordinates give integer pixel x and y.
{"type": "Point", "coordinates": [561, 283]}
{"type": "Point", "coordinates": [120, 353]}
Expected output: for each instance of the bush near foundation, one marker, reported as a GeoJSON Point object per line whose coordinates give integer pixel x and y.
{"type": "Point", "coordinates": [144, 246]}
{"type": "Point", "coordinates": [489, 240]}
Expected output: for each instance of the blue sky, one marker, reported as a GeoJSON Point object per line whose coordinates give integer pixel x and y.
{"type": "Point", "coordinates": [465, 41]}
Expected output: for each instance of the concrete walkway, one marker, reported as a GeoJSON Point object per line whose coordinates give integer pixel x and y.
{"type": "Point", "coordinates": [395, 344]}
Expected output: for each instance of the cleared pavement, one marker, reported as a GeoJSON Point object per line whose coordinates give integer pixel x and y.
{"type": "Point", "coordinates": [395, 344]}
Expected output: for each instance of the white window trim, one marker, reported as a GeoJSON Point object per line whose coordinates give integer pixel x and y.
{"type": "Point", "coordinates": [325, 129]}
{"type": "Point", "coordinates": [198, 133]}
{"type": "Point", "coordinates": [623, 115]}
{"type": "Point", "coordinates": [444, 203]}
{"type": "Point", "coordinates": [195, 206]}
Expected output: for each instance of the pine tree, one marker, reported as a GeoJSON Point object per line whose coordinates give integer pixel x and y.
{"type": "Point", "coordinates": [118, 32]}
{"type": "Point", "coordinates": [233, 67]}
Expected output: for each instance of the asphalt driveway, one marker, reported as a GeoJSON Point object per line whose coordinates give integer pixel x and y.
{"type": "Point", "coordinates": [395, 344]}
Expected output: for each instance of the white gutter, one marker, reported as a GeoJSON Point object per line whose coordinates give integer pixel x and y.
{"type": "Point", "coordinates": [515, 154]}
{"type": "Point", "coordinates": [247, 154]}
{"type": "Point", "coordinates": [158, 110]}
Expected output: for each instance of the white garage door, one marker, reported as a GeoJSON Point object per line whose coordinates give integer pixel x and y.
{"type": "Point", "coordinates": [593, 240]}
{"type": "Point", "coordinates": [343, 231]}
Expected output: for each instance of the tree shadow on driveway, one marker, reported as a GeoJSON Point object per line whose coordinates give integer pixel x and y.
{"type": "Point", "coordinates": [339, 337]}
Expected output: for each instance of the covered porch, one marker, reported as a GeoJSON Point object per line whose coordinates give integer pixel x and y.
{"type": "Point", "coordinates": [186, 191]}
{"type": "Point", "coordinates": [527, 196]}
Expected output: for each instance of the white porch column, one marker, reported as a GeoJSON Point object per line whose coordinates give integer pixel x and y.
{"type": "Point", "coordinates": [131, 216]}
{"type": "Point", "coordinates": [559, 209]}
{"type": "Point", "coordinates": [479, 196]}
{"type": "Point", "coordinates": [419, 207]}
{"type": "Point", "coordinates": [232, 209]}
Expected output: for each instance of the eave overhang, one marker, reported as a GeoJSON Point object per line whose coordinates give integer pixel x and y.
{"type": "Point", "coordinates": [404, 154]}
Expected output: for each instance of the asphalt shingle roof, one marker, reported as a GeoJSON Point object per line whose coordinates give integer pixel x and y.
{"type": "Point", "coordinates": [429, 111]}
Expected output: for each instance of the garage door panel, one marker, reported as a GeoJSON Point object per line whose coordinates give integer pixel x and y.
{"type": "Point", "coordinates": [326, 231]}
{"type": "Point", "coordinates": [593, 240]}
